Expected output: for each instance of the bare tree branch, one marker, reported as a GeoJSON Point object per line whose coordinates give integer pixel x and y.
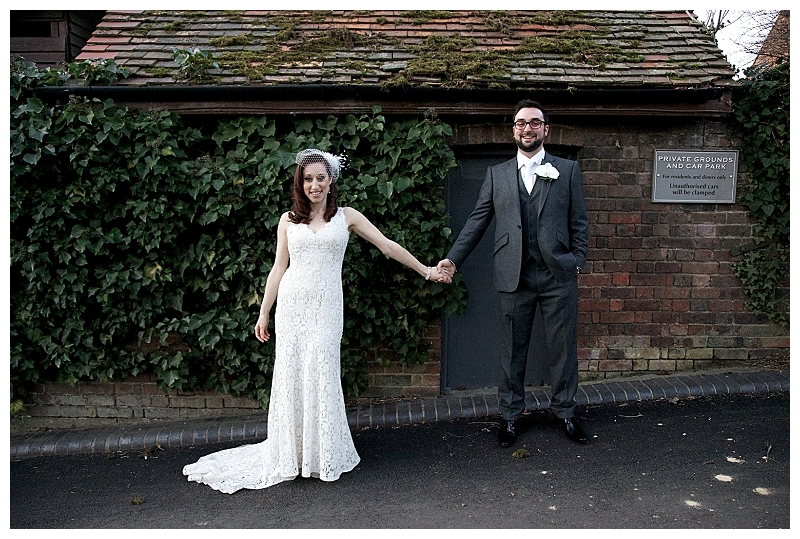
{"type": "Point", "coordinates": [756, 27]}
{"type": "Point", "coordinates": [743, 34]}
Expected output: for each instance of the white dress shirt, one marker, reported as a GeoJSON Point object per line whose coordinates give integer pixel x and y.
{"type": "Point", "coordinates": [528, 166]}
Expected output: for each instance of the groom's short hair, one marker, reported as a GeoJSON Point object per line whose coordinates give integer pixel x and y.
{"type": "Point", "coordinates": [531, 104]}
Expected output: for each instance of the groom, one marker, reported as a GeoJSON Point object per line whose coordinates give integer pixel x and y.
{"type": "Point", "coordinates": [540, 246]}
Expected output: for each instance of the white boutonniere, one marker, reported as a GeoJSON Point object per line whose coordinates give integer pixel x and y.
{"type": "Point", "coordinates": [546, 171]}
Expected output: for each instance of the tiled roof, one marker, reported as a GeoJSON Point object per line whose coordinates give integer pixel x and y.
{"type": "Point", "coordinates": [776, 45]}
{"type": "Point", "coordinates": [451, 49]}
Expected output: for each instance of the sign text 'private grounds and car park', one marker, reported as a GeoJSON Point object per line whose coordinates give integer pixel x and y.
{"type": "Point", "coordinates": [695, 176]}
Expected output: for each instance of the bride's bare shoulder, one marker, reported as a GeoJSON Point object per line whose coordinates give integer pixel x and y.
{"type": "Point", "coordinates": [351, 212]}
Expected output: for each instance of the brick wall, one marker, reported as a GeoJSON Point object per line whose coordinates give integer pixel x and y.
{"type": "Point", "coordinates": [139, 399]}
{"type": "Point", "coordinates": [131, 401]}
{"type": "Point", "coordinates": [657, 293]}
{"type": "Point", "coordinates": [401, 380]}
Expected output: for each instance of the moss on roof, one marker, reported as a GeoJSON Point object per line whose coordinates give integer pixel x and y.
{"type": "Point", "coordinates": [490, 48]}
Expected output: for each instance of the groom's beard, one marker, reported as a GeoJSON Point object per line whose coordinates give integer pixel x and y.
{"type": "Point", "coordinates": [530, 147]}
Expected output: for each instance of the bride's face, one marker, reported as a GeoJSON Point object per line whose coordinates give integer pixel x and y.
{"type": "Point", "coordinates": [316, 182]}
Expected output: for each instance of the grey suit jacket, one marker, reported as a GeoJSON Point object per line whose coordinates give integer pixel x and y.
{"type": "Point", "coordinates": [563, 224]}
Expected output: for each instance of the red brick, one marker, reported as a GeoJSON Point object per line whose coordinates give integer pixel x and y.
{"type": "Point", "coordinates": [624, 241]}
{"type": "Point", "coordinates": [601, 254]}
{"type": "Point", "coordinates": [678, 329]}
{"type": "Point", "coordinates": [424, 368]}
{"type": "Point", "coordinates": [620, 267]}
{"type": "Point", "coordinates": [661, 365]}
{"type": "Point", "coordinates": [241, 402]}
{"type": "Point", "coordinates": [667, 267]}
{"type": "Point", "coordinates": [707, 293]}
{"type": "Point", "coordinates": [618, 292]}
{"type": "Point", "coordinates": [178, 401]}
{"type": "Point", "coordinates": [725, 305]}
{"type": "Point", "coordinates": [700, 267]}
{"type": "Point", "coordinates": [703, 255]}
{"type": "Point", "coordinates": [593, 305]}
{"type": "Point", "coordinates": [133, 401]}
{"type": "Point", "coordinates": [159, 401]}
{"type": "Point", "coordinates": [128, 388]}
{"type": "Point", "coordinates": [643, 329]}
{"type": "Point", "coordinates": [707, 230]}
{"type": "Point", "coordinates": [701, 280]}
{"type": "Point", "coordinates": [621, 279]}
{"type": "Point", "coordinates": [664, 317]}
{"type": "Point", "coordinates": [647, 279]}
{"type": "Point", "coordinates": [615, 341]}
{"type": "Point", "coordinates": [725, 281]}
{"type": "Point", "coordinates": [671, 292]}
{"type": "Point", "coordinates": [615, 365]}
{"type": "Point", "coordinates": [643, 292]}
{"type": "Point", "coordinates": [649, 254]}
{"type": "Point", "coordinates": [632, 217]}
{"type": "Point", "coordinates": [95, 388]}
{"type": "Point", "coordinates": [680, 305]}
{"type": "Point", "coordinates": [642, 305]}
{"type": "Point", "coordinates": [616, 318]}
{"type": "Point", "coordinates": [774, 342]}
{"type": "Point", "coordinates": [151, 389]}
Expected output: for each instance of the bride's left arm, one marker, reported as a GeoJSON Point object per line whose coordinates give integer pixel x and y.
{"type": "Point", "coordinates": [358, 223]}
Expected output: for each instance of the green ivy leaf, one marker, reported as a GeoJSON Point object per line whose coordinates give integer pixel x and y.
{"type": "Point", "coordinates": [139, 227]}
{"type": "Point", "coordinates": [386, 188]}
{"type": "Point", "coordinates": [403, 183]}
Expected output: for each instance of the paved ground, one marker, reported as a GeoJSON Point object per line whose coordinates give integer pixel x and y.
{"type": "Point", "coordinates": [399, 412]}
{"type": "Point", "coordinates": [708, 461]}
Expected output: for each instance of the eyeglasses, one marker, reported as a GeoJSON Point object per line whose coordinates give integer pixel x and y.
{"type": "Point", "coordinates": [535, 124]}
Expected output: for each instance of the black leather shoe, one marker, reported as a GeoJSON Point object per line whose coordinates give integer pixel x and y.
{"type": "Point", "coordinates": [507, 434]}
{"type": "Point", "coordinates": [574, 431]}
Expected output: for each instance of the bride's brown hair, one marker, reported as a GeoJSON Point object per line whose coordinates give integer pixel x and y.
{"type": "Point", "coordinates": [301, 209]}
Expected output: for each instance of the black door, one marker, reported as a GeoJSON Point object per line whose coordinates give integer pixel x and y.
{"type": "Point", "coordinates": [471, 342]}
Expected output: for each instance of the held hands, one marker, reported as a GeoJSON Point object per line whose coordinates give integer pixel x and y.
{"type": "Point", "coordinates": [262, 333]}
{"type": "Point", "coordinates": [439, 277]}
{"type": "Point", "coordinates": [446, 270]}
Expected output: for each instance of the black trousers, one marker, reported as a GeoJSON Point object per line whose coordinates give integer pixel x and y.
{"type": "Point", "coordinates": [559, 305]}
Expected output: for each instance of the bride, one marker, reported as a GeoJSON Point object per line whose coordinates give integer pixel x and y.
{"type": "Point", "coordinates": [307, 429]}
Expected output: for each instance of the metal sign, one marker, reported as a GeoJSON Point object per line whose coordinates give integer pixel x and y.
{"type": "Point", "coordinates": [695, 176]}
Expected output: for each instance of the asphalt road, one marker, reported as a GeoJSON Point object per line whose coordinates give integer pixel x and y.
{"type": "Point", "coordinates": [708, 462]}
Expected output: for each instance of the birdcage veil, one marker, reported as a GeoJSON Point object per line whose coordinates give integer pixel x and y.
{"type": "Point", "coordinates": [312, 155]}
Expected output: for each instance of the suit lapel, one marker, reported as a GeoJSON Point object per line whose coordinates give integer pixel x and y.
{"type": "Point", "coordinates": [512, 175]}
{"type": "Point", "coordinates": [545, 183]}
{"type": "Point", "coordinates": [510, 172]}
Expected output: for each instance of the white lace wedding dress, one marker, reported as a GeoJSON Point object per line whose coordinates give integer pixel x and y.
{"type": "Point", "coordinates": [307, 430]}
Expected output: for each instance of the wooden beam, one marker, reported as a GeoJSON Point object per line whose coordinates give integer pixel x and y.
{"type": "Point", "coordinates": [716, 108]}
{"type": "Point", "coordinates": [38, 44]}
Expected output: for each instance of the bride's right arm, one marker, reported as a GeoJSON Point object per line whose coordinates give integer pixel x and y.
{"type": "Point", "coordinates": [273, 280]}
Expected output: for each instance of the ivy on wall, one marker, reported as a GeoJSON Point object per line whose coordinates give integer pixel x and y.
{"type": "Point", "coordinates": [141, 241]}
{"type": "Point", "coordinates": [761, 123]}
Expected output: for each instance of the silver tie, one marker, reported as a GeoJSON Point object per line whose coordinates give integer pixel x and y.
{"type": "Point", "coordinates": [527, 177]}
